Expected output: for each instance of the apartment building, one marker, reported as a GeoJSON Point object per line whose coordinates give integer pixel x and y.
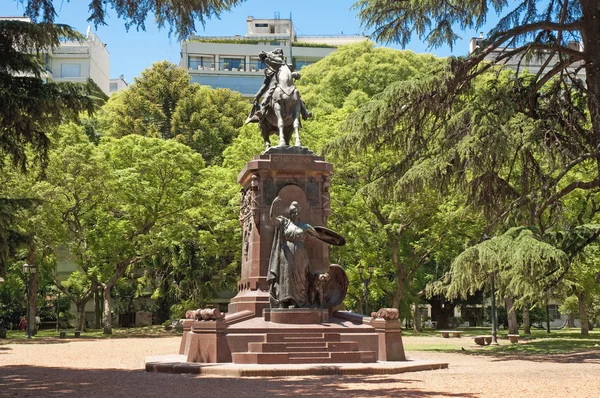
{"type": "Point", "coordinates": [530, 64]}
{"type": "Point", "coordinates": [75, 61]}
{"type": "Point", "coordinates": [118, 84]}
{"type": "Point", "coordinates": [232, 61]}
{"type": "Point", "coordinates": [79, 61]}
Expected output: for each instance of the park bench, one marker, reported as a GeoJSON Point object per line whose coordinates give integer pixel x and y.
{"type": "Point", "coordinates": [446, 333]}
{"type": "Point", "coordinates": [483, 340]}
{"type": "Point", "coordinates": [513, 338]}
{"type": "Point", "coordinates": [63, 334]}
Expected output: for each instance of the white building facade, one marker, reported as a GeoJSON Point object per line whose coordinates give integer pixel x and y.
{"type": "Point", "coordinates": [118, 84]}
{"type": "Point", "coordinates": [232, 61]}
{"type": "Point", "coordinates": [77, 62]}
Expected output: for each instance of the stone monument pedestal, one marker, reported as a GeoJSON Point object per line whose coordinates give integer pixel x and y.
{"type": "Point", "coordinates": [293, 174]}
{"type": "Point", "coordinates": [254, 333]}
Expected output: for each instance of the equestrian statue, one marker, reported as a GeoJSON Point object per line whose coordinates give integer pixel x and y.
{"type": "Point", "coordinates": [281, 107]}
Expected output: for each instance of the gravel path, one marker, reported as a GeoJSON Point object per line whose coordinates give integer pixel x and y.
{"type": "Point", "coordinates": [112, 368]}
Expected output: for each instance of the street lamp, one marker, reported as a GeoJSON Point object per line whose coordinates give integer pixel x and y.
{"type": "Point", "coordinates": [29, 271]}
{"type": "Point", "coordinates": [366, 282]}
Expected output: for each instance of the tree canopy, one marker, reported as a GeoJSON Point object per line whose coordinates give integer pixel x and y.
{"type": "Point", "coordinates": [164, 103]}
{"type": "Point", "coordinates": [523, 147]}
{"type": "Point", "coordinates": [180, 16]}
{"type": "Point", "coordinates": [31, 106]}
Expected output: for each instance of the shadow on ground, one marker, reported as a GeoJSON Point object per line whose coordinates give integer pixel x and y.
{"type": "Point", "coordinates": [542, 351]}
{"type": "Point", "coordinates": [591, 357]}
{"type": "Point", "coordinates": [39, 381]}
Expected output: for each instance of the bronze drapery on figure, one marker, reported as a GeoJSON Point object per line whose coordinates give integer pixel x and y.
{"type": "Point", "coordinates": [292, 283]}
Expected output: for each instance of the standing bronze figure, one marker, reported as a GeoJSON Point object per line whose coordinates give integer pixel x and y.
{"type": "Point", "coordinates": [292, 283]}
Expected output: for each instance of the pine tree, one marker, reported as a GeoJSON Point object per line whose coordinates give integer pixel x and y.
{"type": "Point", "coordinates": [31, 106]}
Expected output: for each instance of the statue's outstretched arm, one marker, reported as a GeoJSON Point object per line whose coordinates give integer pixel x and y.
{"type": "Point", "coordinates": [272, 216]}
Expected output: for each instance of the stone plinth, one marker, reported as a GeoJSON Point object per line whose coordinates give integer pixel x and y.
{"type": "Point", "coordinates": [293, 174]}
{"type": "Point", "coordinates": [205, 341]}
{"type": "Point", "coordinates": [390, 339]}
{"type": "Point", "coordinates": [298, 316]}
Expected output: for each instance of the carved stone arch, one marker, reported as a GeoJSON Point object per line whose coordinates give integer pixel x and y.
{"type": "Point", "coordinates": [291, 193]}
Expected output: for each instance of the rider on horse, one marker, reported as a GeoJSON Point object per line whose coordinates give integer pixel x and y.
{"type": "Point", "coordinates": [273, 60]}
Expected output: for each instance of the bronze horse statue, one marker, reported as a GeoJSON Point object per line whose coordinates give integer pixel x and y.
{"type": "Point", "coordinates": [283, 115]}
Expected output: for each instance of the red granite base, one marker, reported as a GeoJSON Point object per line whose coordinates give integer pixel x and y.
{"type": "Point", "coordinates": [178, 364]}
{"type": "Point", "coordinates": [242, 338]}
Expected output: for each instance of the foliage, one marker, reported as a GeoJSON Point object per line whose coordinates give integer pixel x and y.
{"type": "Point", "coordinates": [209, 121]}
{"type": "Point", "coordinates": [12, 297]}
{"type": "Point", "coordinates": [313, 45]}
{"type": "Point", "coordinates": [180, 16]}
{"type": "Point", "coordinates": [444, 124]}
{"type": "Point", "coordinates": [163, 103]}
{"type": "Point", "coordinates": [31, 107]}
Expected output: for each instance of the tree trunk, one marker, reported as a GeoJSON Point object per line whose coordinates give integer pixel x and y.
{"type": "Point", "coordinates": [81, 315]}
{"type": "Point", "coordinates": [590, 36]}
{"type": "Point", "coordinates": [583, 317]}
{"type": "Point", "coordinates": [107, 305]}
{"type": "Point", "coordinates": [571, 320]}
{"type": "Point", "coordinates": [97, 309]}
{"type": "Point", "coordinates": [417, 318]}
{"type": "Point", "coordinates": [513, 324]}
{"type": "Point", "coordinates": [526, 320]}
{"type": "Point", "coordinates": [400, 273]}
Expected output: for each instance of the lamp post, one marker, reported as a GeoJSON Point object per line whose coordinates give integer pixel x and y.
{"type": "Point", "coordinates": [366, 282]}
{"type": "Point", "coordinates": [29, 271]}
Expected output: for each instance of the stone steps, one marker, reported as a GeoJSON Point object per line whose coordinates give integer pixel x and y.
{"type": "Point", "coordinates": [331, 346]}
{"type": "Point", "coordinates": [301, 337]}
{"type": "Point", "coordinates": [303, 348]}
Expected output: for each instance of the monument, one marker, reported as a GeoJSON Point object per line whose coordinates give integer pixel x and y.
{"type": "Point", "coordinates": [285, 310]}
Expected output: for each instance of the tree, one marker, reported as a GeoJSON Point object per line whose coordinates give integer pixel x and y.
{"type": "Point", "coordinates": [190, 271]}
{"type": "Point", "coordinates": [164, 103]}
{"type": "Point", "coordinates": [155, 187]}
{"type": "Point", "coordinates": [180, 16]}
{"type": "Point", "coordinates": [530, 28]}
{"type": "Point", "coordinates": [31, 107]}
{"type": "Point", "coordinates": [584, 283]}
{"type": "Point", "coordinates": [399, 234]}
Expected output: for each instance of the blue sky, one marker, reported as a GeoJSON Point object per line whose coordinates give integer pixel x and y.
{"type": "Point", "coordinates": [131, 51]}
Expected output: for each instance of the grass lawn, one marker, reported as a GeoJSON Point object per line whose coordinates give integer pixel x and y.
{"type": "Point", "coordinates": [539, 342]}
{"type": "Point", "coordinates": [48, 335]}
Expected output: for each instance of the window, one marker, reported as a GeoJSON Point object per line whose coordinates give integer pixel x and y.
{"type": "Point", "coordinates": [201, 62]}
{"type": "Point", "coordinates": [261, 25]}
{"type": "Point", "coordinates": [301, 64]}
{"type": "Point", "coordinates": [232, 63]}
{"type": "Point", "coordinates": [70, 70]}
{"type": "Point", "coordinates": [553, 311]}
{"type": "Point", "coordinates": [246, 85]}
{"type": "Point", "coordinates": [256, 65]}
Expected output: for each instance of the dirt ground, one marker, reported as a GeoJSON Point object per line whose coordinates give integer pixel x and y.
{"type": "Point", "coordinates": [113, 368]}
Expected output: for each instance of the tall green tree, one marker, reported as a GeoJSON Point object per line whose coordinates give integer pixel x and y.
{"type": "Point", "coordinates": [397, 234]}
{"type": "Point", "coordinates": [164, 103]}
{"type": "Point", "coordinates": [31, 106]}
{"type": "Point", "coordinates": [566, 126]}
{"type": "Point", "coordinates": [154, 189]}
